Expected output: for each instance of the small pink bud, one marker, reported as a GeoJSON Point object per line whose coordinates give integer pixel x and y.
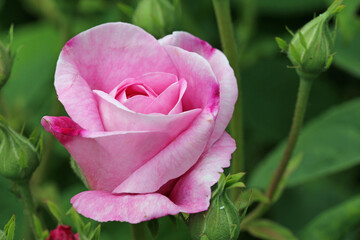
{"type": "Point", "coordinates": [62, 232]}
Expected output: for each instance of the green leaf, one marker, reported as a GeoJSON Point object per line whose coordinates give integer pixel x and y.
{"type": "Point", "coordinates": [268, 230]}
{"type": "Point", "coordinates": [249, 196]}
{"type": "Point", "coordinates": [153, 226]}
{"type": "Point", "coordinates": [347, 54]}
{"type": "Point", "coordinates": [55, 211]}
{"type": "Point", "coordinates": [330, 143]}
{"type": "Point", "coordinates": [333, 223]}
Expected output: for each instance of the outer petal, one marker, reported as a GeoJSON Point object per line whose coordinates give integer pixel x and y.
{"type": "Point", "coordinates": [173, 161]}
{"type": "Point", "coordinates": [202, 87]}
{"type": "Point", "coordinates": [103, 206]}
{"type": "Point", "coordinates": [106, 158]}
{"type": "Point", "coordinates": [100, 58]}
{"type": "Point", "coordinates": [222, 70]}
{"type": "Point", "coordinates": [191, 193]}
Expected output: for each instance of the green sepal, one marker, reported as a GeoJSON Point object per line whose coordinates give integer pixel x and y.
{"type": "Point", "coordinates": [281, 44]}
{"type": "Point", "coordinates": [153, 226]}
{"type": "Point", "coordinates": [95, 235]}
{"type": "Point", "coordinates": [9, 228]}
{"type": "Point", "coordinates": [75, 167]}
{"type": "Point", "coordinates": [55, 211]}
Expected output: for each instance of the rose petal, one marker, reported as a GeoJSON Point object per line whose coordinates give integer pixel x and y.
{"type": "Point", "coordinates": [221, 69]}
{"type": "Point", "coordinates": [103, 206]}
{"type": "Point", "coordinates": [106, 158]}
{"type": "Point", "coordinates": [168, 100]}
{"type": "Point", "coordinates": [116, 117]}
{"type": "Point", "coordinates": [178, 106]}
{"type": "Point", "coordinates": [100, 58]}
{"type": "Point", "coordinates": [138, 103]}
{"type": "Point", "coordinates": [191, 193]}
{"type": "Point", "coordinates": [202, 87]}
{"type": "Point", "coordinates": [157, 81]}
{"type": "Point", "coordinates": [174, 160]}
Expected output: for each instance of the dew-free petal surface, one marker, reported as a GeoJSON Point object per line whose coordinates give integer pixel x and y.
{"type": "Point", "coordinates": [202, 87]}
{"type": "Point", "coordinates": [100, 58]}
{"type": "Point", "coordinates": [106, 158]}
{"type": "Point", "coordinates": [174, 160]}
{"type": "Point", "coordinates": [191, 193]}
{"type": "Point", "coordinates": [222, 70]}
{"type": "Point", "coordinates": [116, 117]}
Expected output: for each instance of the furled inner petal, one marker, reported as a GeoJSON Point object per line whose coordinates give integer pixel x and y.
{"type": "Point", "coordinates": [117, 117]}
{"type": "Point", "coordinates": [138, 95]}
{"type": "Point", "coordinates": [168, 100]}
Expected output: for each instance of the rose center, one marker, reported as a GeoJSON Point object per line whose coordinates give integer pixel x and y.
{"type": "Point", "coordinates": [137, 89]}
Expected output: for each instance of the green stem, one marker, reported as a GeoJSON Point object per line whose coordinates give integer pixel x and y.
{"type": "Point", "coordinates": [138, 231]}
{"type": "Point", "coordinates": [300, 109]}
{"type": "Point", "coordinates": [29, 205]}
{"type": "Point", "coordinates": [223, 17]}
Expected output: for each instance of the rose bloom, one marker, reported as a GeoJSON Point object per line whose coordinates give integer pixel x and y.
{"type": "Point", "coordinates": [147, 120]}
{"type": "Point", "coordinates": [62, 232]}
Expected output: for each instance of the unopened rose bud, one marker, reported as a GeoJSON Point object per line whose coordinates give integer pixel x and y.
{"type": "Point", "coordinates": [311, 49]}
{"type": "Point", "coordinates": [221, 221]}
{"type": "Point", "coordinates": [62, 232]}
{"type": "Point", "coordinates": [18, 157]}
{"type": "Point", "coordinates": [155, 16]}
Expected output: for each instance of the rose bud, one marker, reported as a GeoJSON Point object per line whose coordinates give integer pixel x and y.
{"type": "Point", "coordinates": [18, 157]}
{"type": "Point", "coordinates": [221, 221]}
{"type": "Point", "coordinates": [311, 49]}
{"type": "Point", "coordinates": [62, 232]}
{"type": "Point", "coordinates": [6, 62]}
{"type": "Point", "coordinates": [155, 16]}
{"type": "Point", "coordinates": [147, 121]}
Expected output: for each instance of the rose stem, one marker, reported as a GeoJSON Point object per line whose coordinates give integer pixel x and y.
{"type": "Point", "coordinates": [138, 231]}
{"type": "Point", "coordinates": [300, 109]}
{"type": "Point", "coordinates": [223, 17]}
{"type": "Point", "coordinates": [29, 205]}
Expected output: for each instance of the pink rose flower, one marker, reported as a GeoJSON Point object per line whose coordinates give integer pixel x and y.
{"type": "Point", "coordinates": [62, 232]}
{"type": "Point", "coordinates": [147, 120]}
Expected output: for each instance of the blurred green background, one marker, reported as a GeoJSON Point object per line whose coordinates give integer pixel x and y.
{"type": "Point", "coordinates": [329, 174]}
